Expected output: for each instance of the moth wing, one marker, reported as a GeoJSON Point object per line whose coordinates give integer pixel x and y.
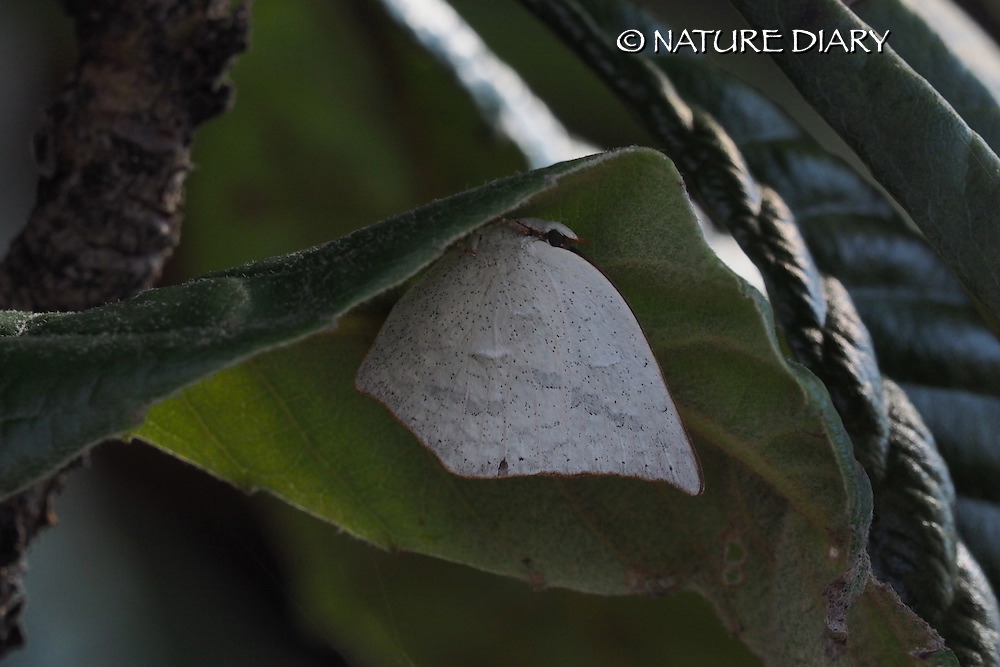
{"type": "Point", "coordinates": [447, 355]}
{"type": "Point", "coordinates": [615, 413]}
{"type": "Point", "coordinates": [521, 359]}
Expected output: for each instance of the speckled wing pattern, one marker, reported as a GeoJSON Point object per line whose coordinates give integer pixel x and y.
{"type": "Point", "coordinates": [516, 357]}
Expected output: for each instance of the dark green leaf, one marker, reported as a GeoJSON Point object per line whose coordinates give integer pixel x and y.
{"type": "Point", "coordinates": [71, 379]}
{"type": "Point", "coordinates": [923, 325]}
{"type": "Point", "coordinates": [941, 44]}
{"type": "Point", "coordinates": [386, 608]}
{"type": "Point", "coordinates": [916, 146]}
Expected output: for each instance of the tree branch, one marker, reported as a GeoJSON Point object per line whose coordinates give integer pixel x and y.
{"type": "Point", "coordinates": [113, 157]}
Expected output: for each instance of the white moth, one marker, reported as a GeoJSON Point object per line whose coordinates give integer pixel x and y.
{"type": "Point", "coordinates": [518, 357]}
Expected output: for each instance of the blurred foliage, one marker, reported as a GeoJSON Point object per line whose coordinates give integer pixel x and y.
{"type": "Point", "coordinates": [340, 120]}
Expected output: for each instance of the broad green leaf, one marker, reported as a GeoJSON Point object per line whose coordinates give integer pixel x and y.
{"type": "Point", "coordinates": [921, 319]}
{"type": "Point", "coordinates": [948, 49]}
{"type": "Point", "coordinates": [777, 540]}
{"type": "Point", "coordinates": [72, 379]}
{"type": "Point", "coordinates": [382, 608]}
{"type": "Point", "coordinates": [916, 146]}
{"type": "Point", "coordinates": [922, 322]}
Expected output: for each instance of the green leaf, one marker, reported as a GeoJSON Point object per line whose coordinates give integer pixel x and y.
{"type": "Point", "coordinates": [382, 608]}
{"type": "Point", "coordinates": [777, 540]}
{"type": "Point", "coordinates": [945, 47]}
{"type": "Point", "coordinates": [922, 322]}
{"type": "Point", "coordinates": [916, 146]}
{"type": "Point", "coordinates": [72, 379]}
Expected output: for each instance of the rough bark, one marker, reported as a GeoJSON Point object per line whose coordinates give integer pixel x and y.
{"type": "Point", "coordinates": [113, 157]}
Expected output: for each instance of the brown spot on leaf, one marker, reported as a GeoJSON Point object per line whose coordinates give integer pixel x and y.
{"type": "Point", "coordinates": [641, 581]}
